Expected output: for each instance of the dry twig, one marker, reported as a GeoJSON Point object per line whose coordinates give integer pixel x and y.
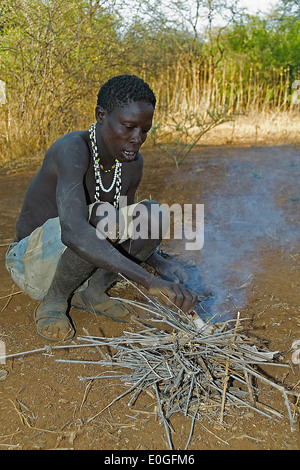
{"type": "Point", "coordinates": [192, 370]}
{"type": "Point", "coordinates": [199, 370]}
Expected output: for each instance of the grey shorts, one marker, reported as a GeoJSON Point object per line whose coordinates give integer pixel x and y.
{"type": "Point", "coordinates": [32, 262]}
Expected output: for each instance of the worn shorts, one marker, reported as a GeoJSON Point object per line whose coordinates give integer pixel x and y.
{"type": "Point", "coordinates": [32, 262]}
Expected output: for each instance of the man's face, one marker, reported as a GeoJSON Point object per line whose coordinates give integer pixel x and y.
{"type": "Point", "coordinates": [124, 130]}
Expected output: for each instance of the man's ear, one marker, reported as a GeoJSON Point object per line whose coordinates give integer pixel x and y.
{"type": "Point", "coordinates": [100, 113]}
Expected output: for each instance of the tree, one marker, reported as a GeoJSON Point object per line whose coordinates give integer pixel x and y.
{"type": "Point", "coordinates": [272, 40]}
{"type": "Point", "coordinates": [54, 55]}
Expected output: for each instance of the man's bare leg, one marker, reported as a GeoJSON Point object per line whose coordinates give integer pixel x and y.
{"type": "Point", "coordinates": [51, 315]}
{"type": "Point", "coordinates": [94, 297]}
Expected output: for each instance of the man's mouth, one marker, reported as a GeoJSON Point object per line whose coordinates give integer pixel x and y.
{"type": "Point", "coordinates": [129, 156]}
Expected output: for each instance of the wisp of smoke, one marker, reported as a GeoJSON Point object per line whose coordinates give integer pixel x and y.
{"type": "Point", "coordinates": [242, 218]}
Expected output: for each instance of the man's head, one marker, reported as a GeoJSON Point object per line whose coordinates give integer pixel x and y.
{"type": "Point", "coordinates": [121, 90]}
{"type": "Point", "coordinates": [124, 113]}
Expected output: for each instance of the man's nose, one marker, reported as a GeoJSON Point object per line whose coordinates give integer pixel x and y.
{"type": "Point", "coordinates": [137, 136]}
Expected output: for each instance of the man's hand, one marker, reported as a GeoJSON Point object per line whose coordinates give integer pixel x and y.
{"type": "Point", "coordinates": [171, 272]}
{"type": "Point", "coordinates": [177, 293]}
{"type": "Point", "coordinates": [167, 270]}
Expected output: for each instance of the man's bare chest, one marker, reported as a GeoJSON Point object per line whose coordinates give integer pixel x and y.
{"type": "Point", "coordinates": [91, 183]}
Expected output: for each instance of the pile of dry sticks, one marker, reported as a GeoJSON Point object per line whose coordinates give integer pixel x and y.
{"type": "Point", "coordinates": [194, 368]}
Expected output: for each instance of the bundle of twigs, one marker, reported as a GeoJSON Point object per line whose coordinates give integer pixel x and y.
{"type": "Point", "coordinates": [197, 369]}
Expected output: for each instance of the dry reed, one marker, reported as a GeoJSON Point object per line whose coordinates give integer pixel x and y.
{"type": "Point", "coordinates": [186, 94]}
{"type": "Point", "coordinates": [195, 99]}
{"type": "Point", "coordinates": [237, 86]}
{"type": "Point", "coordinates": [199, 369]}
{"type": "Point", "coordinates": [195, 368]}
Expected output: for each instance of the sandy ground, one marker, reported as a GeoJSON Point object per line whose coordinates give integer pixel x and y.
{"type": "Point", "coordinates": [249, 262]}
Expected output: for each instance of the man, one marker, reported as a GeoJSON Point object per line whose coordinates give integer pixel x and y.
{"type": "Point", "coordinates": [60, 256]}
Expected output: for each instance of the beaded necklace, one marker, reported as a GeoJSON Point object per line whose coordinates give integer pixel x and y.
{"type": "Point", "coordinates": [117, 167]}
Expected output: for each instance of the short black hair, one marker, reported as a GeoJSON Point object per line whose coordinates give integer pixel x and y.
{"type": "Point", "coordinates": [123, 89]}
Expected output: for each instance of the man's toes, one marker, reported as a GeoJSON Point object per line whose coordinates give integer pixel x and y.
{"type": "Point", "coordinates": [52, 323]}
{"type": "Point", "coordinates": [56, 331]}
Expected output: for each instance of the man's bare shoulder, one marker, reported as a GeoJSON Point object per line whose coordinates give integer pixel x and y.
{"type": "Point", "coordinates": [72, 148]}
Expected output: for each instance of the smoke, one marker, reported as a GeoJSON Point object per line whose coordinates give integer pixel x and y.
{"type": "Point", "coordinates": [252, 210]}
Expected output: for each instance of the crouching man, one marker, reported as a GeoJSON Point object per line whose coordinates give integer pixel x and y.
{"type": "Point", "coordinates": [60, 255]}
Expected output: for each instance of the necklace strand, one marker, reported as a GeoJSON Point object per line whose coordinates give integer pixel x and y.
{"type": "Point", "coordinates": [97, 167]}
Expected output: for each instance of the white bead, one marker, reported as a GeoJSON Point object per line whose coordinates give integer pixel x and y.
{"type": "Point", "coordinates": [117, 172]}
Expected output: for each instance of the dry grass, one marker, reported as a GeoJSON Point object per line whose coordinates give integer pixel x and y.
{"type": "Point", "coordinates": [231, 104]}
{"type": "Point", "coordinates": [265, 128]}
{"type": "Point", "coordinates": [259, 111]}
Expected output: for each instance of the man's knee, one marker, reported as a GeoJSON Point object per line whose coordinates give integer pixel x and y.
{"type": "Point", "coordinates": [104, 217]}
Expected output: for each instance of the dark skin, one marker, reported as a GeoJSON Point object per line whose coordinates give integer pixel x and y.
{"type": "Point", "coordinates": [65, 185]}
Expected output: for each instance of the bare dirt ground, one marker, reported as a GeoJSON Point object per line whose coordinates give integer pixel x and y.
{"type": "Point", "coordinates": [250, 262]}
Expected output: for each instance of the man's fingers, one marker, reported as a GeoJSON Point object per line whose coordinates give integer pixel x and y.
{"type": "Point", "coordinates": [182, 298]}
{"type": "Point", "coordinates": [179, 299]}
{"type": "Point", "coordinates": [188, 301]}
{"type": "Point", "coordinates": [177, 294]}
{"type": "Point", "coordinates": [171, 277]}
{"type": "Point", "coordinates": [181, 275]}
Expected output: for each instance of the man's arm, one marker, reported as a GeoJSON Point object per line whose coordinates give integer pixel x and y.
{"type": "Point", "coordinates": [79, 235]}
{"type": "Point", "coordinates": [76, 231]}
{"type": "Point", "coordinates": [167, 269]}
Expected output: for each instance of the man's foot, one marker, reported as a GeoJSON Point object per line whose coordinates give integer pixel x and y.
{"type": "Point", "coordinates": [111, 308]}
{"type": "Point", "coordinates": [52, 322]}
